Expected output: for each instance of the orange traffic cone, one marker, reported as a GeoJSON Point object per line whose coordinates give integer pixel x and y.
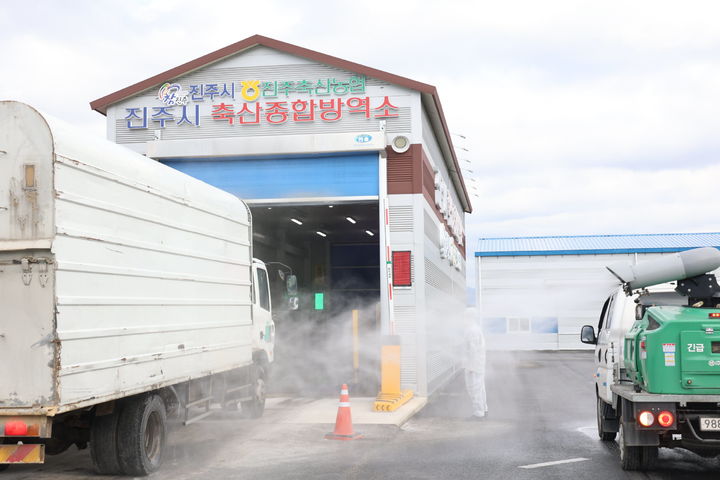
{"type": "Point", "coordinates": [343, 423]}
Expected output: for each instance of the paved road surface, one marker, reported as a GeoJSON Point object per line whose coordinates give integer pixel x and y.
{"type": "Point", "coordinates": [541, 410]}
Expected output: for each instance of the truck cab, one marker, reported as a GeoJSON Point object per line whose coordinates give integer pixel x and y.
{"type": "Point", "coordinates": [617, 316]}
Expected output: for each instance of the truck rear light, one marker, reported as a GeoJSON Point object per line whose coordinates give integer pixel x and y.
{"type": "Point", "coordinates": [642, 344]}
{"type": "Point", "coordinates": [714, 315]}
{"type": "Point", "coordinates": [16, 428]}
{"type": "Point", "coordinates": [646, 418]}
{"type": "Point", "coordinates": [666, 419]}
{"type": "Point", "coordinates": [24, 426]}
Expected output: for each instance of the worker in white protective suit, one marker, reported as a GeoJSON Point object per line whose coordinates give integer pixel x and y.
{"type": "Point", "coordinates": [475, 367]}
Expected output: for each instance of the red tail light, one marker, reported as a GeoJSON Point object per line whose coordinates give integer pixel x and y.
{"type": "Point", "coordinates": [666, 419]}
{"type": "Point", "coordinates": [16, 428]}
{"type": "Point", "coordinates": [646, 418]}
{"type": "Point", "coordinates": [714, 315]}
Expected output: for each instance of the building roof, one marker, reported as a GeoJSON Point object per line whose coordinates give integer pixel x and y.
{"type": "Point", "coordinates": [595, 244]}
{"type": "Point", "coordinates": [429, 95]}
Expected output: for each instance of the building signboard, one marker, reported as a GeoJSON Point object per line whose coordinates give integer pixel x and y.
{"type": "Point", "coordinates": [255, 102]}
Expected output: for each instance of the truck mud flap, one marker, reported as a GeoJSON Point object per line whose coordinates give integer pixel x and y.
{"type": "Point", "coordinates": [635, 437]}
{"type": "Point", "coordinates": [11, 454]}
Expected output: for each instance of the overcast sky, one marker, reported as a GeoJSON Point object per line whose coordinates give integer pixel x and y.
{"type": "Point", "coordinates": [581, 117]}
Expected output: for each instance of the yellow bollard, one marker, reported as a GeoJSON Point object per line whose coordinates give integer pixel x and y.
{"type": "Point", "coordinates": [391, 396]}
{"type": "Point", "coordinates": [390, 370]}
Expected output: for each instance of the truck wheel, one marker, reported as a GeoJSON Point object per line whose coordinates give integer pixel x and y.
{"type": "Point", "coordinates": [602, 410]}
{"type": "Point", "coordinates": [631, 458]}
{"type": "Point", "coordinates": [142, 431]}
{"type": "Point", "coordinates": [103, 443]}
{"type": "Point", "coordinates": [255, 407]}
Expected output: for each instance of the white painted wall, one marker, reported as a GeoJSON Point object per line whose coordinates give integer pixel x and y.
{"type": "Point", "coordinates": [568, 288]}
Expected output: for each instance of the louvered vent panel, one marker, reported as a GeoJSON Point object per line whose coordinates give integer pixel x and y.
{"type": "Point", "coordinates": [437, 279]}
{"type": "Point", "coordinates": [428, 180]}
{"type": "Point", "coordinates": [401, 219]}
{"type": "Point", "coordinates": [438, 363]}
{"type": "Point", "coordinates": [405, 322]}
{"type": "Point", "coordinates": [399, 169]}
{"type": "Point", "coordinates": [408, 366]}
{"type": "Point", "coordinates": [431, 230]}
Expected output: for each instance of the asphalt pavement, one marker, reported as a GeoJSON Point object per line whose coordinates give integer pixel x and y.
{"type": "Point", "coordinates": [541, 425]}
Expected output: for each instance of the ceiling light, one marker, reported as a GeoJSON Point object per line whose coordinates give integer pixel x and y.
{"type": "Point", "coordinates": [322, 234]}
{"type": "Point", "coordinates": [370, 233]}
{"type": "Point", "coordinates": [295, 220]}
{"type": "Point", "coordinates": [351, 220]}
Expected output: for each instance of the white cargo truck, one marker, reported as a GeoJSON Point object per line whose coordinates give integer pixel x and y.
{"type": "Point", "coordinates": [128, 292]}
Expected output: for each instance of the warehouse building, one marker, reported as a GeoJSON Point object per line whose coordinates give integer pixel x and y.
{"type": "Point", "coordinates": [535, 293]}
{"type": "Point", "coordinates": [352, 181]}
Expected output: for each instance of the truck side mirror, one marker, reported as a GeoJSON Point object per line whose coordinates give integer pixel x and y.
{"type": "Point", "coordinates": [587, 335]}
{"type": "Point", "coordinates": [291, 285]}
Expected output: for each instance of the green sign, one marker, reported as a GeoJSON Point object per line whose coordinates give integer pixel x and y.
{"type": "Point", "coordinates": [319, 301]}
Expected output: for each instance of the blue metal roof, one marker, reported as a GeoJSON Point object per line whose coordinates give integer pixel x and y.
{"type": "Point", "coordinates": [595, 244]}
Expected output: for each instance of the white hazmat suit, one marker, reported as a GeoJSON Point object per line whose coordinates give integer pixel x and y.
{"type": "Point", "coordinates": [475, 367]}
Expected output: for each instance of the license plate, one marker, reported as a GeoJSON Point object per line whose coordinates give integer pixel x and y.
{"type": "Point", "coordinates": [710, 423]}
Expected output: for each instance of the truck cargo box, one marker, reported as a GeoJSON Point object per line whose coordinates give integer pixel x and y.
{"type": "Point", "coordinates": [118, 274]}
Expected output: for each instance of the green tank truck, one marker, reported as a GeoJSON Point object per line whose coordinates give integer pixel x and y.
{"type": "Point", "coordinates": [657, 358]}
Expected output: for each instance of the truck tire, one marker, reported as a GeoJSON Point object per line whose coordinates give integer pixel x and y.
{"type": "Point", "coordinates": [103, 443]}
{"type": "Point", "coordinates": [142, 431]}
{"type": "Point", "coordinates": [633, 457]}
{"type": "Point", "coordinates": [255, 407]}
{"type": "Point", "coordinates": [630, 457]}
{"type": "Point", "coordinates": [602, 411]}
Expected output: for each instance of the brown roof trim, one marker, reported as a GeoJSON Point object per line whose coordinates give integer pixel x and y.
{"type": "Point", "coordinates": [101, 104]}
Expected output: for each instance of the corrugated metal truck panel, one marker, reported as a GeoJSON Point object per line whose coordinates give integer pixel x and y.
{"type": "Point", "coordinates": [150, 281]}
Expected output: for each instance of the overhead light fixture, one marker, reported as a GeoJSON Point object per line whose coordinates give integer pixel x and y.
{"type": "Point", "coordinates": [295, 220]}
{"type": "Point", "coordinates": [322, 234]}
{"type": "Point", "coordinates": [400, 144]}
{"type": "Point", "coordinates": [351, 220]}
{"type": "Point", "coordinates": [370, 233]}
